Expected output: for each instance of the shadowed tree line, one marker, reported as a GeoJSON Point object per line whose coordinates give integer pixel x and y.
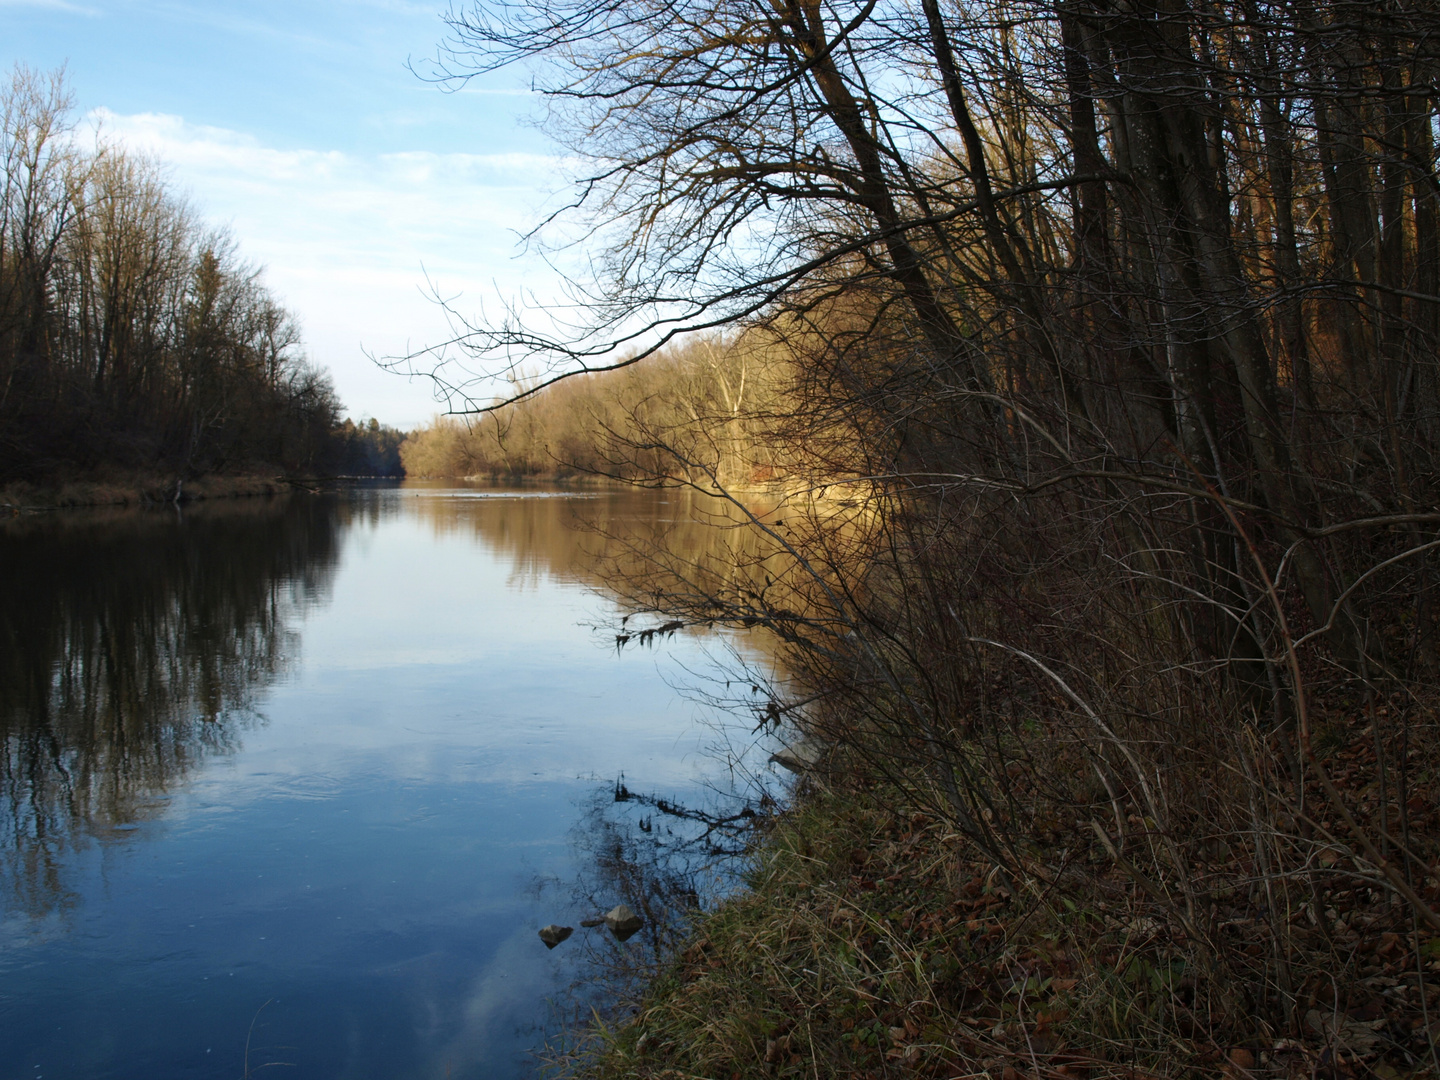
{"type": "Point", "coordinates": [365, 449]}
{"type": "Point", "coordinates": [1117, 324]}
{"type": "Point", "coordinates": [132, 336]}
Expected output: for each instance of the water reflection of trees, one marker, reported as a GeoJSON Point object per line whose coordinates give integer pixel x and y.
{"type": "Point", "coordinates": [636, 544]}
{"type": "Point", "coordinates": [666, 861]}
{"type": "Point", "coordinates": [652, 551]}
{"type": "Point", "coordinates": [132, 645]}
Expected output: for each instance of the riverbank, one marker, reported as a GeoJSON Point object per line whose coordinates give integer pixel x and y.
{"type": "Point", "coordinates": [874, 941]}
{"type": "Point", "coordinates": [773, 491]}
{"type": "Point", "coordinates": [559, 478]}
{"type": "Point", "coordinates": [133, 490]}
{"type": "Point", "coordinates": [867, 945]}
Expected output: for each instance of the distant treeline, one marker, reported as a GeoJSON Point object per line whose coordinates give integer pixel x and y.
{"type": "Point", "coordinates": [712, 401]}
{"type": "Point", "coordinates": [132, 335]}
{"type": "Point", "coordinates": [365, 449]}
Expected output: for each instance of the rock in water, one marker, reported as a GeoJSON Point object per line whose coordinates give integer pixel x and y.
{"type": "Point", "coordinates": [552, 935]}
{"type": "Point", "coordinates": [799, 757]}
{"type": "Point", "coordinates": [588, 923]}
{"type": "Point", "coordinates": [623, 922]}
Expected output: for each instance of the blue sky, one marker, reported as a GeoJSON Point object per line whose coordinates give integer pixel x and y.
{"type": "Point", "coordinates": [298, 126]}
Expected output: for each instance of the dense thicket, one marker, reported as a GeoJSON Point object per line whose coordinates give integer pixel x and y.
{"type": "Point", "coordinates": [1119, 320]}
{"type": "Point", "coordinates": [131, 335]}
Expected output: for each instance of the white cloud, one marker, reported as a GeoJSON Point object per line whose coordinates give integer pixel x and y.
{"type": "Point", "coordinates": [348, 240]}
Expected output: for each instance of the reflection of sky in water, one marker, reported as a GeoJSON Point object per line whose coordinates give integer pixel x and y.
{"type": "Point", "coordinates": [363, 861]}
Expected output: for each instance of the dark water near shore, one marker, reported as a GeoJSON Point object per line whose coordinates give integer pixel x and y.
{"type": "Point", "coordinates": [288, 773]}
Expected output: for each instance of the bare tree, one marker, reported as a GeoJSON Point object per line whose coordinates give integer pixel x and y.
{"type": "Point", "coordinates": [1117, 322]}
{"type": "Point", "coordinates": [129, 333]}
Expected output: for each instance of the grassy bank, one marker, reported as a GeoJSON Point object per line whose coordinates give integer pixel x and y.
{"type": "Point", "coordinates": [133, 490]}
{"type": "Point", "coordinates": [872, 942]}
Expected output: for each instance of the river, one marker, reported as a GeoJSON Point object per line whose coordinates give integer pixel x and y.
{"type": "Point", "coordinates": [298, 780]}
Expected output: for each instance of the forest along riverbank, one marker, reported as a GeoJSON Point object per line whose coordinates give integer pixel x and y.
{"type": "Point", "coordinates": [139, 347]}
{"type": "Point", "coordinates": [1113, 324]}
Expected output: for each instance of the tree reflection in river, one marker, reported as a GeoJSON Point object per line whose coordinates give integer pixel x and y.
{"type": "Point", "coordinates": [636, 545]}
{"type": "Point", "coordinates": [132, 644]}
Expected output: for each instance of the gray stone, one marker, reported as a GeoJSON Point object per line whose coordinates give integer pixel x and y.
{"type": "Point", "coordinates": [552, 935]}
{"type": "Point", "coordinates": [801, 756]}
{"type": "Point", "coordinates": [623, 922]}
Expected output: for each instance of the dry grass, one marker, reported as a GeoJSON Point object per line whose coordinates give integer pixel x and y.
{"type": "Point", "coordinates": [873, 942]}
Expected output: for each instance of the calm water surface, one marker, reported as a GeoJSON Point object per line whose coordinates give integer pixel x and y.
{"type": "Point", "coordinates": [289, 772]}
